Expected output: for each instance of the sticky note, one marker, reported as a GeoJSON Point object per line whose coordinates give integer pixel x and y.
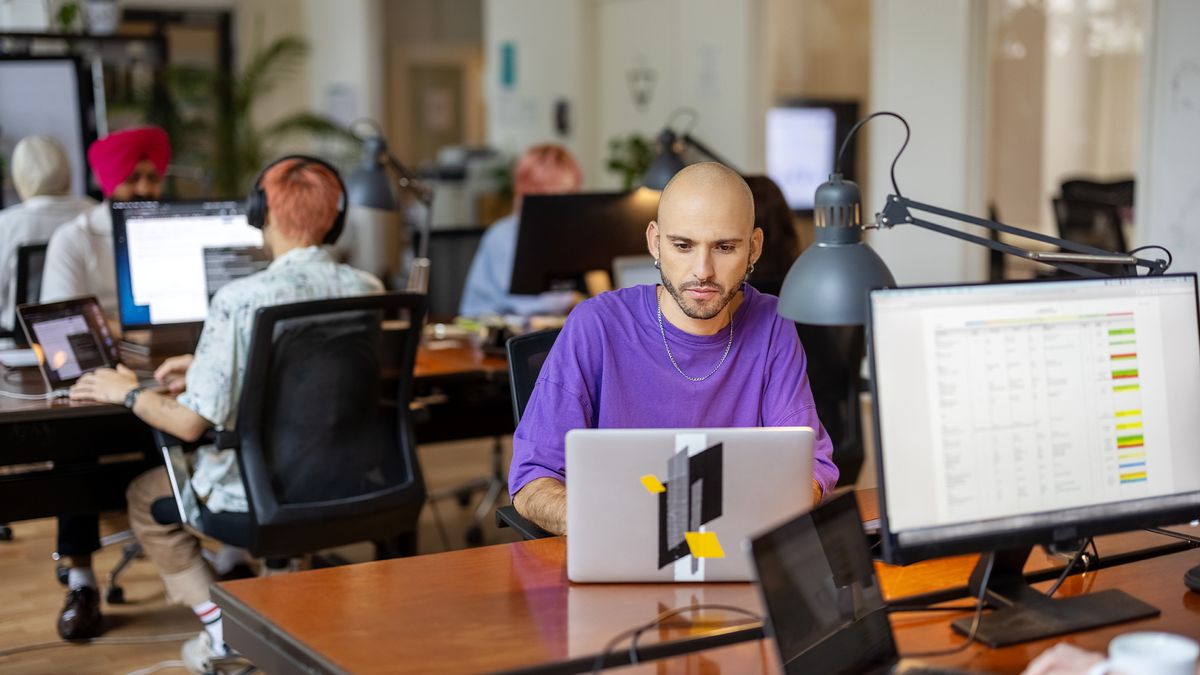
{"type": "Point", "coordinates": [704, 544]}
{"type": "Point", "coordinates": [652, 484]}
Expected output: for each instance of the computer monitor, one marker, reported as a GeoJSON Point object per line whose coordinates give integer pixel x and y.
{"type": "Point", "coordinates": [1015, 414]}
{"type": "Point", "coordinates": [563, 237]}
{"type": "Point", "coordinates": [803, 137]}
{"type": "Point", "coordinates": [171, 257]}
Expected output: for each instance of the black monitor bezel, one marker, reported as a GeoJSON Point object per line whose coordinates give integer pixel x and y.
{"type": "Point", "coordinates": [897, 554]}
{"type": "Point", "coordinates": [845, 112]}
{"type": "Point", "coordinates": [88, 127]}
{"type": "Point", "coordinates": [532, 251]}
{"type": "Point", "coordinates": [121, 252]}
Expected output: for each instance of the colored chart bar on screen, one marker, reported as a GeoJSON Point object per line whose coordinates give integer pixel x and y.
{"type": "Point", "coordinates": [1129, 425]}
{"type": "Point", "coordinates": [1124, 374]}
{"type": "Point", "coordinates": [1129, 413]}
{"type": "Point", "coordinates": [1120, 331]}
{"type": "Point", "coordinates": [1133, 477]}
{"type": "Point", "coordinates": [1127, 356]}
{"type": "Point", "coordinates": [1126, 387]}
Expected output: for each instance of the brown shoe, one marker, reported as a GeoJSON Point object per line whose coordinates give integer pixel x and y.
{"type": "Point", "coordinates": [80, 618]}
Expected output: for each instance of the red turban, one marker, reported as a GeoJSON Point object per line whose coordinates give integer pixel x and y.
{"type": "Point", "coordinates": [114, 157]}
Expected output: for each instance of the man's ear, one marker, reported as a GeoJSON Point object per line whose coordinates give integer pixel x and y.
{"type": "Point", "coordinates": [756, 244]}
{"type": "Point", "coordinates": [652, 239]}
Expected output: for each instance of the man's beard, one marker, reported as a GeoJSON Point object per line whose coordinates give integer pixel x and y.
{"type": "Point", "coordinates": [689, 308]}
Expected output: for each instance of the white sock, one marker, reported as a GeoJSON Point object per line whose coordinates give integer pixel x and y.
{"type": "Point", "coordinates": [210, 615]}
{"type": "Point", "coordinates": [80, 577]}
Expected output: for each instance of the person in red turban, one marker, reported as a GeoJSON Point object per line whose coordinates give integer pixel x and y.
{"type": "Point", "coordinates": [129, 165]}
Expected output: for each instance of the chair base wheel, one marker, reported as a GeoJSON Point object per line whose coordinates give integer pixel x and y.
{"type": "Point", "coordinates": [115, 595]}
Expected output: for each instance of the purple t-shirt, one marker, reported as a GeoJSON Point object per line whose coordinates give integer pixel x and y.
{"type": "Point", "coordinates": [609, 369]}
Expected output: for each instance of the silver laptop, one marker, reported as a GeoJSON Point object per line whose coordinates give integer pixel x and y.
{"type": "Point", "coordinates": [664, 505]}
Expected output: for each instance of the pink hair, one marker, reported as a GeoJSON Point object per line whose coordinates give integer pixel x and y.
{"type": "Point", "coordinates": [545, 169]}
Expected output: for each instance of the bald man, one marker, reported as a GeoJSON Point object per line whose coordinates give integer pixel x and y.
{"type": "Point", "coordinates": [701, 349]}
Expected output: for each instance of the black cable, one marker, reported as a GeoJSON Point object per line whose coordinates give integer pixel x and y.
{"type": "Point", "coordinates": [1177, 535]}
{"type": "Point", "coordinates": [634, 633]}
{"type": "Point", "coordinates": [854, 130]}
{"type": "Point", "coordinates": [929, 608]}
{"type": "Point", "coordinates": [1164, 249]}
{"type": "Point", "coordinates": [1070, 566]}
{"type": "Point", "coordinates": [979, 603]}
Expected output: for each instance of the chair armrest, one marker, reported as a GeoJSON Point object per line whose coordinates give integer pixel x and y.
{"type": "Point", "coordinates": [507, 516]}
{"type": "Point", "coordinates": [222, 439]}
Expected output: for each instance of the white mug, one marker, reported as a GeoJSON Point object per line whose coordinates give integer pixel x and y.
{"type": "Point", "coordinates": [1149, 653]}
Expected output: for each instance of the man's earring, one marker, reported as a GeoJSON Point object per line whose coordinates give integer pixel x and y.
{"type": "Point", "coordinates": [657, 264]}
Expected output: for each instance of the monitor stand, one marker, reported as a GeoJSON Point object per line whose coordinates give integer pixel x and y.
{"type": "Point", "coordinates": [1023, 613]}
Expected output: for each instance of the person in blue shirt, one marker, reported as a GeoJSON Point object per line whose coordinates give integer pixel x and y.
{"type": "Point", "coordinates": [542, 169]}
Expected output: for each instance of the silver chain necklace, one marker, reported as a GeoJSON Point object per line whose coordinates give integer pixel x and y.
{"type": "Point", "coordinates": [663, 331]}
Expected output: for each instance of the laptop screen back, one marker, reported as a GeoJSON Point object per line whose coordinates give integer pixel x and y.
{"type": "Point", "coordinates": [825, 608]}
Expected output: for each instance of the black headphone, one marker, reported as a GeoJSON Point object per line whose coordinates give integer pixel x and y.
{"type": "Point", "coordinates": [256, 201]}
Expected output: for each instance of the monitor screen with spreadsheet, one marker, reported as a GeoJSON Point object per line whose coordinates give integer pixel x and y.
{"type": "Point", "coordinates": [1018, 413]}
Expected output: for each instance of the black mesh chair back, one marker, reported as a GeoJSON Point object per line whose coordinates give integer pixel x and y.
{"type": "Point", "coordinates": [526, 354]}
{"type": "Point", "coordinates": [31, 258]}
{"type": "Point", "coordinates": [325, 448]}
{"type": "Point", "coordinates": [1116, 193]}
{"type": "Point", "coordinates": [1092, 223]}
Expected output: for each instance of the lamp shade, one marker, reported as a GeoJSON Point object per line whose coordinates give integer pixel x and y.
{"type": "Point", "coordinates": [828, 283]}
{"type": "Point", "coordinates": [666, 163]}
{"type": "Point", "coordinates": [369, 185]}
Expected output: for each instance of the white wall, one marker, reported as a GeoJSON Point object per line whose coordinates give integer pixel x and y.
{"type": "Point", "coordinates": [347, 61]}
{"type": "Point", "coordinates": [705, 54]}
{"type": "Point", "coordinates": [553, 62]}
{"type": "Point", "coordinates": [1168, 198]}
{"type": "Point", "coordinates": [929, 64]}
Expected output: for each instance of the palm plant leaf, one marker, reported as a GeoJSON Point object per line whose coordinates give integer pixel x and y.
{"type": "Point", "coordinates": [267, 68]}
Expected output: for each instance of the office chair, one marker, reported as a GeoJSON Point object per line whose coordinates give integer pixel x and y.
{"type": "Point", "coordinates": [1117, 193]}
{"type": "Point", "coordinates": [1093, 223]}
{"type": "Point", "coordinates": [31, 259]}
{"type": "Point", "coordinates": [526, 354]}
{"type": "Point", "coordinates": [326, 452]}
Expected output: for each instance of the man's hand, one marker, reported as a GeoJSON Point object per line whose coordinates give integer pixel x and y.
{"type": "Point", "coordinates": [544, 501]}
{"type": "Point", "coordinates": [105, 385]}
{"type": "Point", "coordinates": [816, 492]}
{"type": "Point", "coordinates": [172, 374]}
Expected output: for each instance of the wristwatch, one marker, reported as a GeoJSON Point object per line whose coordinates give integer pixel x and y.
{"type": "Point", "coordinates": [132, 397]}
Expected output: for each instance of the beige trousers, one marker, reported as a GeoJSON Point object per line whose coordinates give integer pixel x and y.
{"type": "Point", "coordinates": [174, 550]}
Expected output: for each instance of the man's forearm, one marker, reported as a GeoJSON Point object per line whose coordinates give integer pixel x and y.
{"type": "Point", "coordinates": [544, 501]}
{"type": "Point", "coordinates": [164, 412]}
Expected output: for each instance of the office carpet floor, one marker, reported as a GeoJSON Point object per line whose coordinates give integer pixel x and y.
{"type": "Point", "coordinates": [30, 597]}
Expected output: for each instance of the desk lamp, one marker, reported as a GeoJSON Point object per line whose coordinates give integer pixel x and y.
{"type": "Point", "coordinates": [828, 283]}
{"type": "Point", "coordinates": [669, 159]}
{"type": "Point", "coordinates": [370, 186]}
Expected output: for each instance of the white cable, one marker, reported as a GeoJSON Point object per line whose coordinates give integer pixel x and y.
{"type": "Point", "coordinates": [161, 665]}
{"type": "Point", "coordinates": [57, 393]}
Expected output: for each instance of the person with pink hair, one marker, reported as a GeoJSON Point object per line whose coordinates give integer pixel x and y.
{"type": "Point", "coordinates": [542, 169]}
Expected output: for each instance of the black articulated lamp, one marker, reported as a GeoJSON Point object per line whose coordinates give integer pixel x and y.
{"type": "Point", "coordinates": [828, 283]}
{"type": "Point", "coordinates": [669, 160]}
{"type": "Point", "coordinates": [370, 187]}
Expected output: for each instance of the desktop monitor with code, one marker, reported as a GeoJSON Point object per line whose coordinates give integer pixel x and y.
{"type": "Point", "coordinates": [171, 257]}
{"type": "Point", "coordinates": [1016, 414]}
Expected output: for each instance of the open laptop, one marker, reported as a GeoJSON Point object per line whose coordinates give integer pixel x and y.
{"type": "Point", "coordinates": [824, 605]}
{"type": "Point", "coordinates": [69, 338]}
{"type": "Point", "coordinates": [663, 505]}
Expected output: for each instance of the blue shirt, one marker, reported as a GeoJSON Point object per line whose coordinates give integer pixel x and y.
{"type": "Point", "coordinates": [490, 277]}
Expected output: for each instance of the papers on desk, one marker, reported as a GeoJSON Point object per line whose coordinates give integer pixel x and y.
{"type": "Point", "coordinates": [18, 358]}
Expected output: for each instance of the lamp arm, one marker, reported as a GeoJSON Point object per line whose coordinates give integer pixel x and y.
{"type": "Point", "coordinates": [898, 211]}
{"type": "Point", "coordinates": [418, 276]}
{"type": "Point", "coordinates": [688, 139]}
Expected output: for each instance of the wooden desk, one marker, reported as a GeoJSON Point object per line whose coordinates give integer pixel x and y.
{"type": "Point", "coordinates": [59, 457]}
{"type": "Point", "coordinates": [510, 608]}
{"type": "Point", "coordinates": [498, 608]}
{"type": "Point", "coordinates": [1158, 581]}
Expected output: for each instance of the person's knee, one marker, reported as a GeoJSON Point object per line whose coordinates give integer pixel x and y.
{"type": "Point", "coordinates": [142, 492]}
